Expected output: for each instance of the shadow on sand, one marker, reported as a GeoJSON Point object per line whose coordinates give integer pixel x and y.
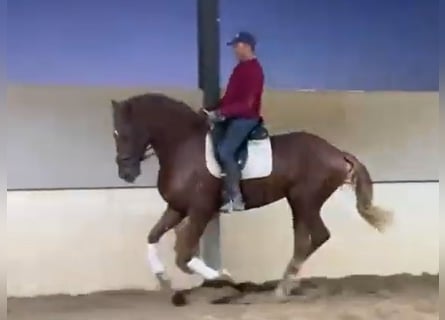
{"type": "Point", "coordinates": [225, 292]}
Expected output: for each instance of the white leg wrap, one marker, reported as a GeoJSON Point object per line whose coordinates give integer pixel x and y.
{"type": "Point", "coordinates": [199, 266]}
{"type": "Point", "coordinates": [154, 262]}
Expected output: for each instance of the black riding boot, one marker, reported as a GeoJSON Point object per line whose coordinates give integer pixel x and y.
{"type": "Point", "coordinates": [227, 204]}
{"type": "Point", "coordinates": [232, 197]}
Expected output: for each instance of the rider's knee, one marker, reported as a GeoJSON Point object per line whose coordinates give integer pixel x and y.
{"type": "Point", "coordinates": [225, 155]}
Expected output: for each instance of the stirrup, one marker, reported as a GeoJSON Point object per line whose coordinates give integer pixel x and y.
{"type": "Point", "coordinates": [238, 199]}
{"type": "Point", "coordinates": [238, 204]}
{"type": "Point", "coordinates": [227, 207]}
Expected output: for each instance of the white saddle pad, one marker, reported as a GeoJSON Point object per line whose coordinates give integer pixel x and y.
{"type": "Point", "coordinates": [258, 164]}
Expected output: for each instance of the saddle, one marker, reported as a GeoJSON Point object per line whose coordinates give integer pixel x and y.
{"type": "Point", "coordinates": [259, 133]}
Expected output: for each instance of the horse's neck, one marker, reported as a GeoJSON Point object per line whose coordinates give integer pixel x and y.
{"type": "Point", "coordinates": [168, 136]}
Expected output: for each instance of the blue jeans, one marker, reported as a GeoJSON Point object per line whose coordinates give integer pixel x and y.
{"type": "Point", "coordinates": [235, 135]}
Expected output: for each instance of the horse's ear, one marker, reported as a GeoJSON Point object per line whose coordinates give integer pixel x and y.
{"type": "Point", "coordinates": [115, 104]}
{"type": "Point", "coordinates": [122, 108]}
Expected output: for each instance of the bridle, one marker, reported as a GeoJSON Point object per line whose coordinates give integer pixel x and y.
{"type": "Point", "coordinates": [148, 153]}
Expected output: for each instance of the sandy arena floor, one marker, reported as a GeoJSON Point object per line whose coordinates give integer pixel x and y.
{"type": "Point", "coordinates": [354, 298]}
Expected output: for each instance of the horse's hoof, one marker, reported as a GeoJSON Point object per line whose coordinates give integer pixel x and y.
{"type": "Point", "coordinates": [178, 299]}
{"type": "Point", "coordinates": [282, 294]}
{"type": "Point", "coordinates": [225, 276]}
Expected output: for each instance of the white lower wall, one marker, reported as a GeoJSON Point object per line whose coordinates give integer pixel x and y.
{"type": "Point", "coordinates": [411, 245]}
{"type": "Point", "coordinates": [77, 242]}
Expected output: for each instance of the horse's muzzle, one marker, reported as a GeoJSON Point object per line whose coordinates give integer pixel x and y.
{"type": "Point", "coordinates": [127, 177]}
{"type": "Point", "coordinates": [129, 174]}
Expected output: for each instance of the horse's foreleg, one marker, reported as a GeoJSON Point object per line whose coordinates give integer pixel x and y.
{"type": "Point", "coordinates": [180, 232]}
{"type": "Point", "coordinates": [187, 244]}
{"type": "Point", "coordinates": [169, 219]}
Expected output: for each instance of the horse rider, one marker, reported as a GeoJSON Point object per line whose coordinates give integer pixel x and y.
{"type": "Point", "coordinates": [240, 110]}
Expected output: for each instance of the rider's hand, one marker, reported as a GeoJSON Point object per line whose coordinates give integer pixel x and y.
{"type": "Point", "coordinates": [215, 116]}
{"type": "Point", "coordinates": [212, 115]}
{"type": "Point", "coordinates": [203, 112]}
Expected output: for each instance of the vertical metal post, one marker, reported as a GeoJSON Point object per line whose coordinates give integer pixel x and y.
{"type": "Point", "coordinates": [208, 72]}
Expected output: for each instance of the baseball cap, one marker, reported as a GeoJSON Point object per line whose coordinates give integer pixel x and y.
{"type": "Point", "coordinates": [243, 37]}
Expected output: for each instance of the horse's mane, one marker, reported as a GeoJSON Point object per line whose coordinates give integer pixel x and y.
{"type": "Point", "coordinates": [159, 101]}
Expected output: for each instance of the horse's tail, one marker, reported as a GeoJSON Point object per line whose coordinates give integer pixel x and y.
{"type": "Point", "coordinates": [360, 178]}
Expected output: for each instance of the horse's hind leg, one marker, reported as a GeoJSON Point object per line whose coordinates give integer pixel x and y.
{"type": "Point", "coordinates": [310, 233]}
{"type": "Point", "coordinates": [169, 219]}
{"type": "Point", "coordinates": [301, 248]}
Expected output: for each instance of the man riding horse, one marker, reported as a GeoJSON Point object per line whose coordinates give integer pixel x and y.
{"type": "Point", "coordinates": [306, 170]}
{"type": "Point", "coordinates": [240, 110]}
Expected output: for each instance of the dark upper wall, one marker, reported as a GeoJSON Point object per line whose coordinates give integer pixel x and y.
{"type": "Point", "coordinates": [342, 44]}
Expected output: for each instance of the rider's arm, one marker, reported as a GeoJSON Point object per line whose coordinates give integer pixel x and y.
{"type": "Point", "coordinates": [249, 83]}
{"type": "Point", "coordinates": [231, 90]}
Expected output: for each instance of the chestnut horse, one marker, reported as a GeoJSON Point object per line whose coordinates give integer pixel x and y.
{"type": "Point", "coordinates": [306, 171]}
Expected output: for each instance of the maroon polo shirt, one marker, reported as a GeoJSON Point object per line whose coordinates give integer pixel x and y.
{"type": "Point", "coordinates": [242, 98]}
